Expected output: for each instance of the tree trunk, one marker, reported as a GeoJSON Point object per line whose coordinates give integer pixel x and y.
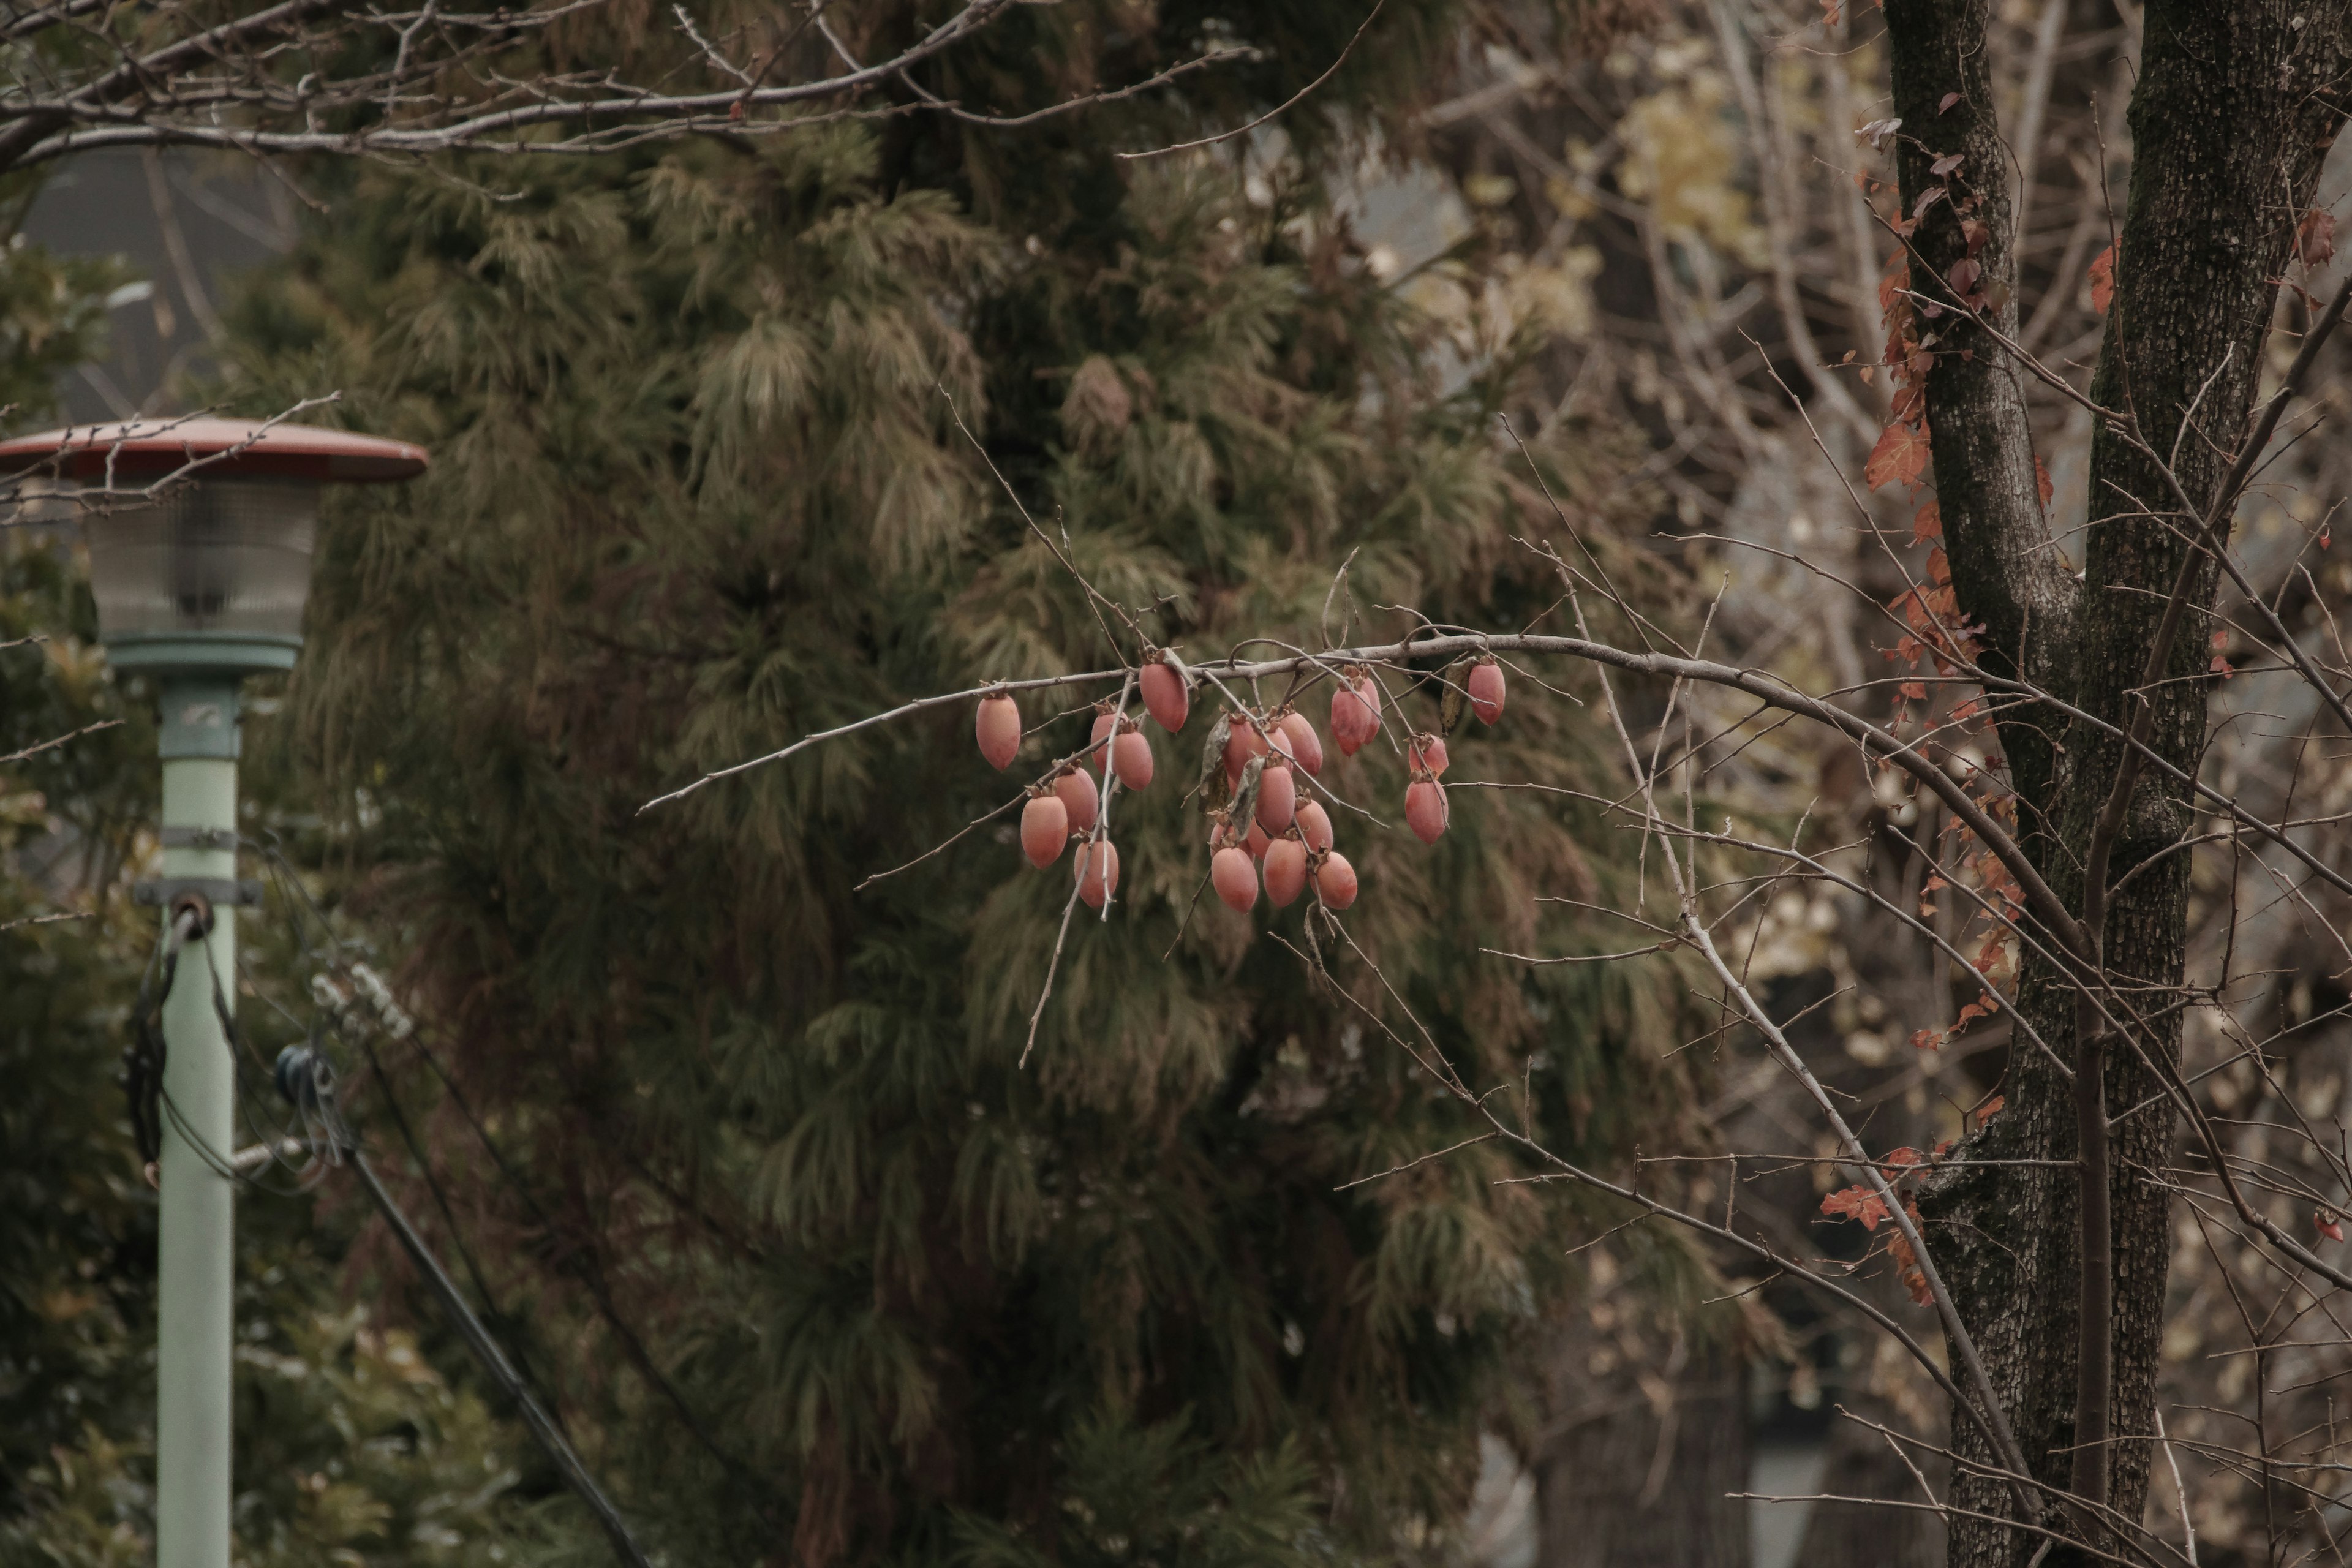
{"type": "Point", "coordinates": [2234, 107]}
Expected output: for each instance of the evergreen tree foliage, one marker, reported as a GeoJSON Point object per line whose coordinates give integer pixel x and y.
{"type": "Point", "coordinates": [735, 1136]}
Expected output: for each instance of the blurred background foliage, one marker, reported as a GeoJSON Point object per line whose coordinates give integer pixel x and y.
{"type": "Point", "coordinates": [731, 1143]}
{"type": "Point", "coordinates": [808, 1268]}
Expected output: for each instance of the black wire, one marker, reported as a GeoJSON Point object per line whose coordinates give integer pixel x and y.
{"type": "Point", "coordinates": [593, 1277]}
{"type": "Point", "coordinates": [486, 1350]}
{"type": "Point", "coordinates": [302, 905]}
{"type": "Point", "coordinates": [306, 910]}
{"type": "Point", "coordinates": [233, 1040]}
{"type": "Point", "coordinates": [143, 1056]}
{"type": "Point", "coordinates": [449, 1218]}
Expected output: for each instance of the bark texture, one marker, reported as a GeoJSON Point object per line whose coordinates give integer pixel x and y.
{"type": "Point", "coordinates": [1995, 531]}
{"type": "Point", "coordinates": [2235, 104]}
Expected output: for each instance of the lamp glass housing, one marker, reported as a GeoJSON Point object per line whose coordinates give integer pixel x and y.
{"type": "Point", "coordinates": [219, 564]}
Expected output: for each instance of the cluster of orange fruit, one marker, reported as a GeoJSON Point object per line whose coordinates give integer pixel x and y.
{"type": "Point", "coordinates": [1261, 833]}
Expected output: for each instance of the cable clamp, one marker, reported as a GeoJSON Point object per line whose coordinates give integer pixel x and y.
{"type": "Point", "coordinates": [169, 890]}
{"type": "Point", "coordinates": [199, 838]}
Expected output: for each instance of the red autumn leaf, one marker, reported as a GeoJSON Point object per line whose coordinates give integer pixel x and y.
{"type": "Point", "coordinates": [1891, 287]}
{"type": "Point", "coordinates": [2222, 637]}
{"type": "Point", "coordinates": [1830, 12]}
{"type": "Point", "coordinates": [2219, 667]}
{"type": "Point", "coordinates": [1944, 164]}
{"type": "Point", "coordinates": [1949, 99]}
{"type": "Point", "coordinates": [1900, 1158]}
{"type": "Point", "coordinates": [1927, 199]}
{"type": "Point", "coordinates": [1939, 567]}
{"type": "Point", "coordinates": [2102, 280]}
{"type": "Point", "coordinates": [1928, 524]}
{"type": "Point", "coordinates": [1943, 1147]}
{"type": "Point", "coordinates": [2041, 486]}
{"type": "Point", "coordinates": [1990, 1109]}
{"type": "Point", "coordinates": [1926, 1040]}
{"type": "Point", "coordinates": [1975, 233]}
{"type": "Point", "coordinates": [1899, 457]}
{"type": "Point", "coordinates": [1906, 1262]}
{"type": "Point", "coordinates": [1856, 1203]}
{"type": "Point", "coordinates": [1912, 691]}
{"type": "Point", "coordinates": [1965, 711]}
{"type": "Point", "coordinates": [1983, 1007]}
{"type": "Point", "coordinates": [2314, 237]}
{"type": "Point", "coordinates": [2328, 1225]}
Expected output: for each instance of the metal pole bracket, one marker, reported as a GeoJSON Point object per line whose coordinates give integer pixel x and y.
{"type": "Point", "coordinates": [169, 890]}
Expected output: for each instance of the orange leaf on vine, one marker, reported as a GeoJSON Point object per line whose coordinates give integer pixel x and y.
{"type": "Point", "coordinates": [1899, 457]}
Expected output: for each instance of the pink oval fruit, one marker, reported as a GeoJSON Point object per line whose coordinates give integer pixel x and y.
{"type": "Point", "coordinates": [998, 729]}
{"type": "Point", "coordinates": [1097, 744]}
{"type": "Point", "coordinates": [1078, 795]}
{"type": "Point", "coordinates": [1096, 885]}
{"type": "Point", "coordinates": [1345, 711]}
{"type": "Point", "coordinates": [1485, 688]}
{"type": "Point", "coordinates": [1243, 743]}
{"type": "Point", "coordinates": [1299, 740]}
{"type": "Point", "coordinates": [1131, 755]}
{"type": "Point", "coordinates": [1314, 824]}
{"type": "Point", "coordinates": [1255, 842]}
{"type": "Point", "coordinates": [1164, 697]}
{"type": "Point", "coordinates": [1286, 872]}
{"type": "Point", "coordinates": [1425, 810]}
{"type": "Point", "coordinates": [1277, 799]}
{"type": "Point", "coordinates": [1044, 829]}
{"type": "Point", "coordinates": [1355, 714]}
{"type": "Point", "coordinates": [1426, 755]}
{"type": "Point", "coordinates": [1335, 882]}
{"type": "Point", "coordinates": [1235, 877]}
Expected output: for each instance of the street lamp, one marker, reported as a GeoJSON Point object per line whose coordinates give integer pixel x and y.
{"type": "Point", "coordinates": [200, 534]}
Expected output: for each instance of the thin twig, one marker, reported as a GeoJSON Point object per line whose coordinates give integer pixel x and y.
{"type": "Point", "coordinates": [1287, 104]}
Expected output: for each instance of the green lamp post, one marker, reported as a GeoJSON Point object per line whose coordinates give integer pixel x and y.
{"type": "Point", "coordinates": [200, 580]}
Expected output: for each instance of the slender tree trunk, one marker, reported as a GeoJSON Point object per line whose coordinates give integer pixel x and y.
{"type": "Point", "coordinates": [2236, 102]}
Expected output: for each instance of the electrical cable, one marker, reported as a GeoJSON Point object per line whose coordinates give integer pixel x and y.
{"type": "Point", "coordinates": [306, 911]}
{"type": "Point", "coordinates": [142, 1055]}
{"type": "Point", "coordinates": [593, 1278]}
{"type": "Point", "coordinates": [441, 1200]}
{"type": "Point", "coordinates": [311, 1081]}
{"type": "Point", "coordinates": [246, 1097]}
{"type": "Point", "coordinates": [282, 873]}
{"type": "Point", "coordinates": [329, 1140]}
